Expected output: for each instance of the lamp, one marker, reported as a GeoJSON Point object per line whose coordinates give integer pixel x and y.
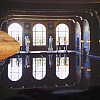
{"type": "Point", "coordinates": [88, 41]}
{"type": "Point", "coordinates": [82, 41]}
{"type": "Point", "coordinates": [88, 70]}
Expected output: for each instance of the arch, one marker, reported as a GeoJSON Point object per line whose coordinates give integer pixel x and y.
{"type": "Point", "coordinates": [15, 69]}
{"type": "Point", "coordinates": [77, 36]}
{"type": "Point", "coordinates": [86, 35]}
{"type": "Point", "coordinates": [62, 34]}
{"type": "Point", "coordinates": [39, 35]}
{"type": "Point", "coordinates": [15, 31]}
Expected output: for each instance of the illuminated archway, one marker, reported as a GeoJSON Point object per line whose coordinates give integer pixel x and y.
{"type": "Point", "coordinates": [62, 34]}
{"type": "Point", "coordinates": [77, 36]}
{"type": "Point", "coordinates": [15, 31]}
{"type": "Point", "coordinates": [86, 35]}
{"type": "Point", "coordinates": [39, 35]}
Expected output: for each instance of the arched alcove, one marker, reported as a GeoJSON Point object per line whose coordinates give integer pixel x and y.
{"type": "Point", "coordinates": [15, 31]}
{"type": "Point", "coordinates": [86, 35]}
{"type": "Point", "coordinates": [62, 34]}
{"type": "Point", "coordinates": [78, 36]}
{"type": "Point", "coordinates": [39, 35]}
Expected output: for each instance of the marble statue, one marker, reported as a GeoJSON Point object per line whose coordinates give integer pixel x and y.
{"type": "Point", "coordinates": [50, 43]}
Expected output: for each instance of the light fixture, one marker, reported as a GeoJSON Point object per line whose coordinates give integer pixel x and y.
{"type": "Point", "coordinates": [82, 41]}
{"type": "Point", "coordinates": [82, 67]}
{"type": "Point", "coordinates": [88, 70]}
{"type": "Point", "coordinates": [88, 41]}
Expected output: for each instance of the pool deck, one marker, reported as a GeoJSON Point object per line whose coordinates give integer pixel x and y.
{"type": "Point", "coordinates": [47, 52]}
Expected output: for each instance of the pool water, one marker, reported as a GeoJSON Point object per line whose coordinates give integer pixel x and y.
{"type": "Point", "coordinates": [57, 72]}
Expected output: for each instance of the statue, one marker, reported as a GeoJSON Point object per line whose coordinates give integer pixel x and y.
{"type": "Point", "coordinates": [27, 43]}
{"type": "Point", "coordinates": [50, 43]}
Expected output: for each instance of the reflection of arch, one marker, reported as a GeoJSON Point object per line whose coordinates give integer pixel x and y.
{"type": "Point", "coordinates": [15, 69]}
{"type": "Point", "coordinates": [77, 36]}
{"type": "Point", "coordinates": [15, 31]}
{"type": "Point", "coordinates": [62, 34]}
{"type": "Point", "coordinates": [39, 68]}
{"type": "Point", "coordinates": [78, 68]}
{"type": "Point", "coordinates": [86, 35]}
{"type": "Point", "coordinates": [62, 67]}
{"type": "Point", "coordinates": [39, 35]}
{"type": "Point", "coordinates": [87, 68]}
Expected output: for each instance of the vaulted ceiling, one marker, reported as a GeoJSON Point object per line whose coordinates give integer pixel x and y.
{"type": "Point", "coordinates": [49, 4]}
{"type": "Point", "coordinates": [53, 1]}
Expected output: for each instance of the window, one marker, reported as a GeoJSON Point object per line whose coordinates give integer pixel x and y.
{"type": "Point", "coordinates": [62, 67]}
{"type": "Point", "coordinates": [62, 34]}
{"type": "Point", "coordinates": [39, 68]}
{"type": "Point", "coordinates": [15, 69]}
{"type": "Point", "coordinates": [39, 35]}
{"type": "Point", "coordinates": [15, 31]}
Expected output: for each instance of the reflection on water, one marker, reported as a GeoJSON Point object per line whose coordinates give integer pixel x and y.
{"type": "Point", "coordinates": [48, 70]}
{"type": "Point", "coordinates": [15, 69]}
{"type": "Point", "coordinates": [87, 67]}
{"type": "Point", "coordinates": [62, 67]}
{"type": "Point", "coordinates": [39, 68]}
